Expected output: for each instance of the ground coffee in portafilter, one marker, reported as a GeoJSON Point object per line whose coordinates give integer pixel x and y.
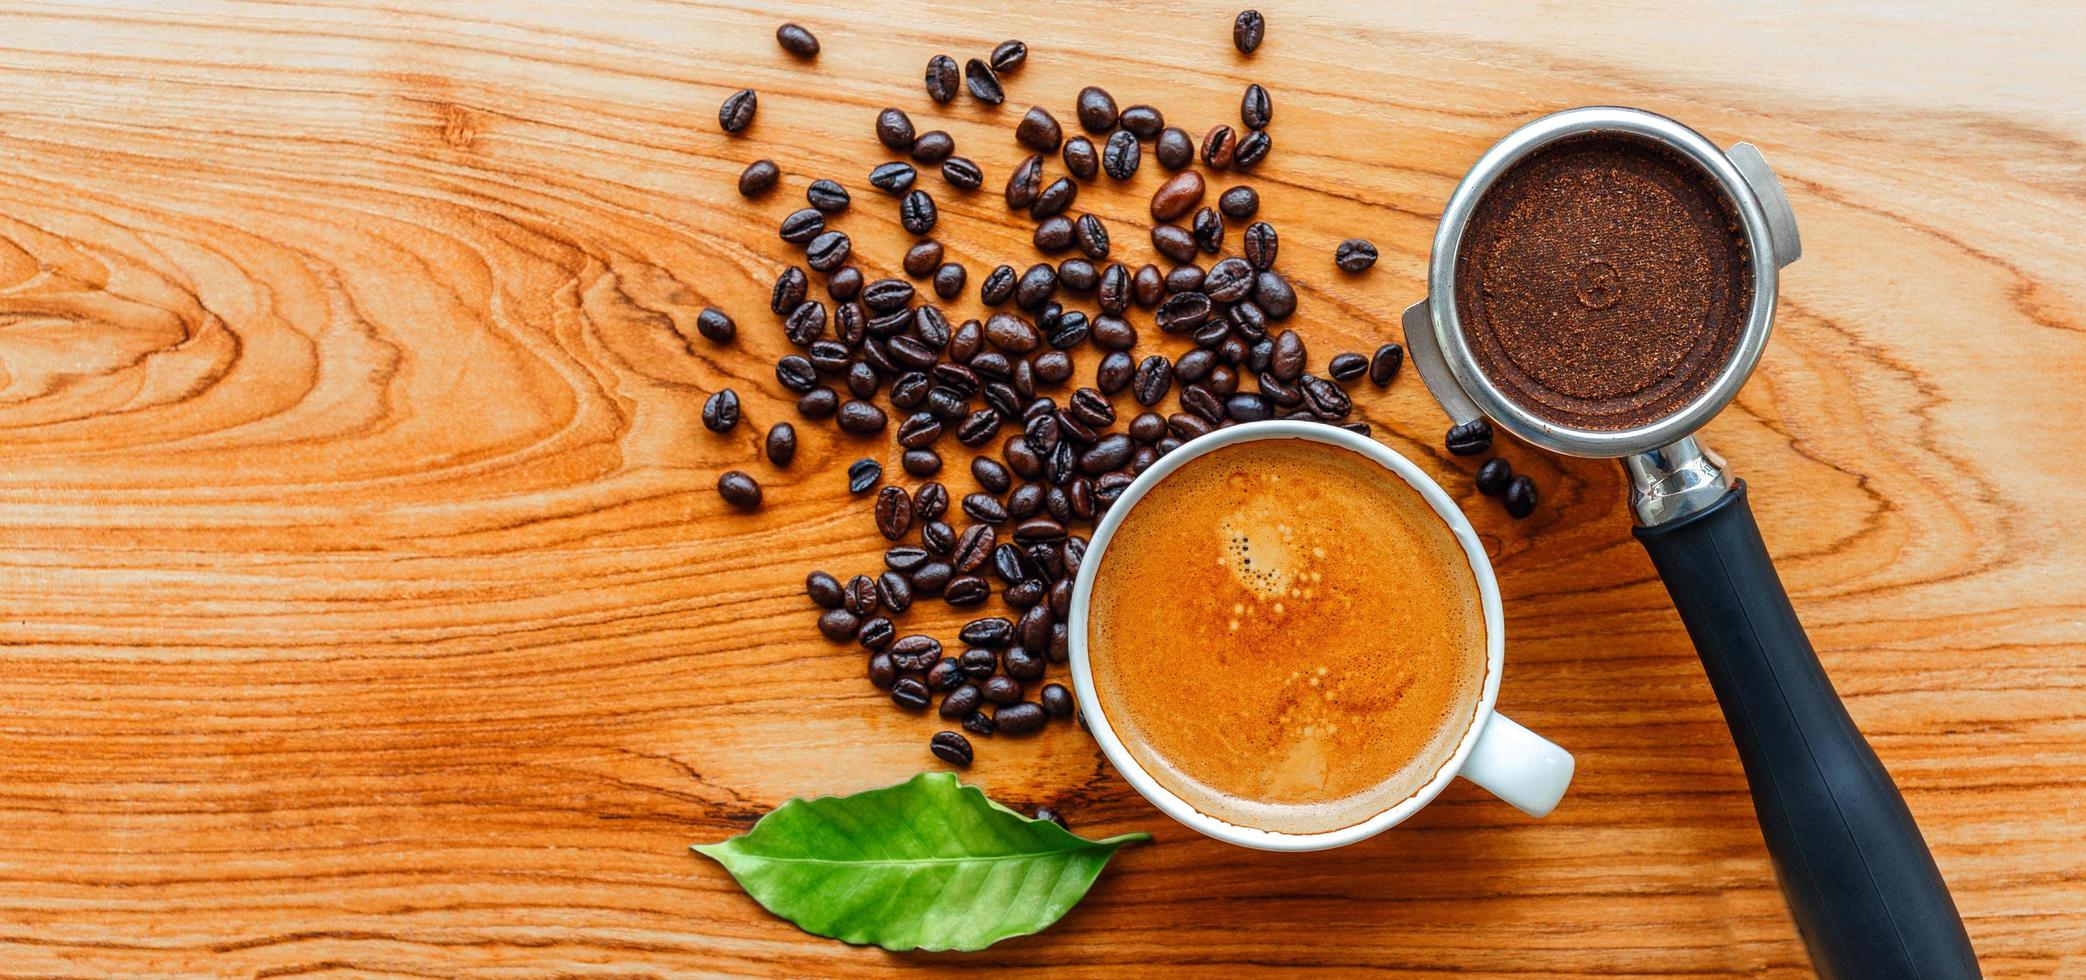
{"type": "Point", "coordinates": [1603, 281]}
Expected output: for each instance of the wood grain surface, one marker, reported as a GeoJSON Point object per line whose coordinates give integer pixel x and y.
{"type": "Point", "coordinates": [367, 607]}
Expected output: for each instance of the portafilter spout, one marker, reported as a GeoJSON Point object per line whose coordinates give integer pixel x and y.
{"type": "Point", "coordinates": [1860, 881]}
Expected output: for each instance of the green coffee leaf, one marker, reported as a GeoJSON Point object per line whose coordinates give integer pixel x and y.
{"type": "Point", "coordinates": [927, 864]}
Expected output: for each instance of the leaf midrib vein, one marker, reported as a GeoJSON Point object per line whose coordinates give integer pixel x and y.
{"type": "Point", "coordinates": [1023, 856]}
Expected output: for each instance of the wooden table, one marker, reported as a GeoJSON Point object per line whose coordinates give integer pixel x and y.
{"type": "Point", "coordinates": [368, 608]}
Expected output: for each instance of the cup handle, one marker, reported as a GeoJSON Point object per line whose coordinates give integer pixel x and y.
{"type": "Point", "coordinates": [1519, 766]}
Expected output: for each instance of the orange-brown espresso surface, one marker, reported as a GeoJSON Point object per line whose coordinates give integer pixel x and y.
{"type": "Point", "coordinates": [1286, 636]}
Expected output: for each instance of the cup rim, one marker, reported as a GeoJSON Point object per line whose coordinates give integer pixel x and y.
{"type": "Point", "coordinates": [1172, 805]}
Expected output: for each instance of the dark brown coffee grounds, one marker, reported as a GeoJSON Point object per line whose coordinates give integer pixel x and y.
{"type": "Point", "coordinates": [1603, 281]}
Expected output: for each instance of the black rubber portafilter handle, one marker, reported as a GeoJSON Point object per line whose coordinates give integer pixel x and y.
{"type": "Point", "coordinates": [1859, 879]}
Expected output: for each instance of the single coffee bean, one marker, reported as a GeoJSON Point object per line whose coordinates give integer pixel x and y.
{"type": "Point", "coordinates": [933, 146]}
{"type": "Point", "coordinates": [894, 129]}
{"type": "Point", "coordinates": [931, 578]}
{"type": "Point", "coordinates": [964, 697]}
{"type": "Point", "coordinates": [1008, 56]}
{"type": "Point", "coordinates": [978, 428]}
{"type": "Point", "coordinates": [716, 326]}
{"type": "Point", "coordinates": [823, 589]}
{"type": "Point", "coordinates": [977, 665]}
{"type": "Point", "coordinates": [1042, 432]}
{"type": "Point", "coordinates": [910, 693]}
{"type": "Point", "coordinates": [1054, 199]}
{"type": "Point", "coordinates": [1183, 312]}
{"type": "Point", "coordinates": [916, 212]}
{"type": "Point", "coordinates": [797, 41]}
{"type": "Point", "coordinates": [1469, 438]}
{"type": "Point", "coordinates": [859, 595]}
{"type": "Point", "coordinates": [894, 512]}
{"type": "Point", "coordinates": [721, 411]}
{"type": "Point", "coordinates": [1120, 156]}
{"type": "Point", "coordinates": [1022, 665]}
{"type": "Point", "coordinates": [1091, 236]}
{"type": "Point", "coordinates": [1223, 380]}
{"type": "Point", "coordinates": [1239, 202]}
{"type": "Point", "coordinates": [1261, 245]}
{"type": "Point", "coordinates": [1248, 30]}
{"type": "Point", "coordinates": [950, 747]}
{"type": "Point", "coordinates": [797, 374]}
{"type": "Point", "coordinates": [1090, 407]}
{"type": "Point", "coordinates": [1279, 392]}
{"type": "Point", "coordinates": [739, 490]}
{"type": "Point", "coordinates": [1354, 255]}
{"type": "Point", "coordinates": [1325, 398]}
{"type": "Point", "coordinates": [1494, 476]}
{"type": "Point", "coordinates": [1274, 295]}
{"type": "Point", "coordinates": [827, 196]}
{"type": "Point", "coordinates": [984, 508]}
{"type": "Point", "coordinates": [1110, 453]}
{"type": "Point", "coordinates": [1212, 336]}
{"type": "Point", "coordinates": [1154, 379]}
{"type": "Point", "coordinates": [1174, 148]}
{"type": "Point", "coordinates": [882, 672]}
{"type": "Point", "coordinates": [805, 324]}
{"type": "Point", "coordinates": [1023, 503]}
{"type": "Point", "coordinates": [962, 174]}
{"type": "Point", "coordinates": [915, 652]}
{"type": "Point", "coordinates": [1173, 242]}
{"type": "Point", "coordinates": [893, 177]}
{"type": "Point", "coordinates": [1112, 292]}
{"type": "Point", "coordinates": [1149, 427]}
{"type": "Point", "coordinates": [838, 625]}
{"type": "Point", "coordinates": [1148, 287]}
{"type": "Point", "coordinates": [904, 558]}
{"type": "Point", "coordinates": [818, 403]}
{"type": "Point", "coordinates": [1097, 111]}
{"type": "Point", "coordinates": [1290, 356]}
{"type": "Point", "coordinates": [1025, 183]}
{"type": "Point", "coordinates": [1033, 629]}
{"type": "Point", "coordinates": [861, 418]}
{"type": "Point", "coordinates": [826, 252]}
{"type": "Point", "coordinates": [1247, 407]}
{"type": "Point", "coordinates": [1057, 703]}
{"type": "Point", "coordinates": [1347, 367]}
{"type": "Point", "coordinates": [1521, 497]}
{"type": "Point", "coordinates": [941, 78]}
{"type": "Point", "coordinates": [1383, 365]}
{"type": "Point", "coordinates": [983, 83]}
{"type": "Point", "coordinates": [1034, 288]}
{"type": "Point", "coordinates": [1184, 426]}
{"type": "Point", "coordinates": [1011, 333]}
{"type": "Point", "coordinates": [998, 286]}
{"type": "Point", "coordinates": [991, 631]}
{"type": "Point", "coordinates": [1002, 690]}
{"type": "Point", "coordinates": [1184, 279]}
{"type": "Point", "coordinates": [789, 290]}
{"type": "Point", "coordinates": [978, 723]}
{"type": "Point", "coordinates": [1255, 108]}
{"type": "Point", "coordinates": [1039, 130]}
{"type": "Point", "coordinates": [948, 280]}
{"type": "Point", "coordinates": [1025, 595]}
{"type": "Point", "coordinates": [1052, 367]}
{"type": "Point", "coordinates": [1179, 195]}
{"type": "Point", "coordinates": [1081, 159]}
{"type": "Point", "coordinates": [965, 591]}
{"type": "Point", "coordinates": [1142, 120]}
{"type": "Point", "coordinates": [944, 676]}
{"type": "Point", "coordinates": [1208, 230]}
{"type": "Point", "coordinates": [1218, 145]}
{"type": "Point", "coordinates": [1253, 148]}
{"type": "Point", "coordinates": [930, 502]}
{"type": "Point", "coordinates": [737, 111]}
{"type": "Point", "coordinates": [1193, 366]}
{"type": "Point", "coordinates": [910, 390]}
{"type": "Point", "coordinates": [895, 592]}
{"type": "Point", "coordinates": [1054, 234]}
{"type": "Point", "coordinates": [1203, 403]}
{"type": "Point", "coordinates": [781, 444]}
{"type": "Point", "coordinates": [1229, 281]}
{"type": "Point", "coordinates": [1114, 373]}
{"type": "Point", "coordinates": [990, 474]}
{"type": "Point", "coordinates": [974, 547]}
{"type": "Point", "coordinates": [1112, 332]}
{"type": "Point", "coordinates": [1018, 719]}
{"type": "Point", "coordinates": [1080, 276]}
{"type": "Point", "coordinates": [921, 258]}
{"type": "Point", "coordinates": [758, 177]}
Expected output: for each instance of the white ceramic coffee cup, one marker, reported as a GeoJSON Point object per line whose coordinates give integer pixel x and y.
{"type": "Point", "coordinates": [1515, 764]}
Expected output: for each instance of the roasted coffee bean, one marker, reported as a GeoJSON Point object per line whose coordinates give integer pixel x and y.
{"type": "Point", "coordinates": [1092, 237]}
{"type": "Point", "coordinates": [1239, 202]}
{"type": "Point", "coordinates": [1072, 430]}
{"type": "Point", "coordinates": [998, 286]}
{"type": "Point", "coordinates": [931, 578]}
{"type": "Point", "coordinates": [1034, 288]}
{"type": "Point", "coordinates": [990, 474]}
{"type": "Point", "coordinates": [1039, 130]}
{"type": "Point", "coordinates": [1042, 432]}
{"type": "Point", "coordinates": [1247, 32]}
{"type": "Point", "coordinates": [975, 546]}
{"type": "Point", "coordinates": [1253, 148]}
{"type": "Point", "coordinates": [910, 390]}
{"type": "Point", "coordinates": [1114, 373]}
{"type": "Point", "coordinates": [948, 280]}
{"type": "Point", "coordinates": [1149, 427]}
{"type": "Point", "coordinates": [781, 443]}
{"type": "Point", "coordinates": [1153, 379]}
{"type": "Point", "coordinates": [1112, 292]}
{"type": "Point", "coordinates": [850, 322]}
{"type": "Point", "coordinates": [796, 40]}
{"type": "Point", "coordinates": [823, 589]}
{"type": "Point", "coordinates": [1054, 199]}
{"type": "Point", "coordinates": [1108, 487]}
{"type": "Point", "coordinates": [934, 146]}
{"type": "Point", "coordinates": [1044, 528]}
{"type": "Point", "coordinates": [921, 258]}
{"type": "Point", "coordinates": [892, 178]}
{"type": "Point", "coordinates": [1148, 287]}
{"type": "Point", "coordinates": [887, 295]}
{"type": "Point", "coordinates": [839, 625]}
{"type": "Point", "coordinates": [1096, 110]}
{"type": "Point", "coordinates": [991, 631]}
{"type": "Point", "coordinates": [1025, 183]}
{"type": "Point", "coordinates": [1025, 461]}
{"type": "Point", "coordinates": [1183, 312]}
{"type": "Point", "coordinates": [1112, 332]}
{"type": "Point", "coordinates": [1280, 392]}
{"type": "Point", "coordinates": [1024, 502]}
{"type": "Point", "coordinates": [797, 374]}
{"type": "Point", "coordinates": [1250, 322]}
{"type": "Point", "coordinates": [965, 591]}
{"type": "Point", "coordinates": [1054, 234]}
{"type": "Point", "coordinates": [1494, 476]}
{"type": "Point", "coordinates": [1110, 453]}
{"type": "Point", "coordinates": [1261, 245]}
{"type": "Point", "coordinates": [1002, 690]}
{"type": "Point", "coordinates": [957, 377]}
{"type": "Point", "coordinates": [1203, 403]}
{"type": "Point", "coordinates": [1354, 255]}
{"type": "Point", "coordinates": [1384, 364]}
{"type": "Point", "coordinates": [716, 326]}
{"type": "Point", "coordinates": [1120, 156]}
{"type": "Point", "coordinates": [910, 693]}
{"type": "Point", "coordinates": [1347, 367]}
{"type": "Point", "coordinates": [1001, 397]}
{"type": "Point", "coordinates": [1174, 242]}
{"type": "Point", "coordinates": [915, 652]}
{"type": "Point", "coordinates": [1178, 196]}
{"type": "Point", "coordinates": [1212, 335]}
{"type": "Point", "coordinates": [805, 324]}
{"type": "Point", "coordinates": [1011, 333]}
{"type": "Point", "coordinates": [978, 428]}
{"type": "Point", "coordinates": [983, 83]}
{"type": "Point", "coordinates": [1018, 718]}
{"type": "Point", "coordinates": [1079, 276]}
{"type": "Point", "coordinates": [1033, 629]}
{"type": "Point", "coordinates": [1325, 398]}
{"type": "Point", "coordinates": [1021, 664]}
{"type": "Point", "coordinates": [984, 508]}
{"type": "Point", "coordinates": [1142, 120]}
{"type": "Point", "coordinates": [882, 672]}
{"type": "Point", "coordinates": [1218, 145]}
{"type": "Point", "coordinates": [1255, 108]}
{"type": "Point", "coordinates": [858, 596]}
{"type": "Point", "coordinates": [737, 111]}
{"type": "Point", "coordinates": [1247, 407]}
{"type": "Point", "coordinates": [1469, 438]}
{"type": "Point", "coordinates": [1520, 497]}
{"type": "Point", "coordinates": [1052, 367]}
{"type": "Point", "coordinates": [944, 676]}
{"type": "Point", "coordinates": [1274, 295]}
{"type": "Point", "coordinates": [721, 411]}
{"type": "Point", "coordinates": [1184, 279]}
{"type": "Point", "coordinates": [1223, 380]}
{"type": "Point", "coordinates": [1290, 356]}
{"type": "Point", "coordinates": [1208, 230]}
{"type": "Point", "coordinates": [914, 353]}
{"type": "Point", "coordinates": [861, 418]}
{"type": "Point", "coordinates": [941, 78]}
{"type": "Point", "coordinates": [1057, 703]}
{"type": "Point", "coordinates": [894, 129]}
{"type": "Point", "coordinates": [1081, 159]}
{"type": "Point", "coordinates": [818, 402]}
{"type": "Point", "coordinates": [1060, 466]}
{"type": "Point", "coordinates": [1008, 56]}
{"type": "Point", "coordinates": [962, 174]}
{"type": "Point", "coordinates": [1090, 407]}
{"type": "Point", "coordinates": [916, 212]}
{"type": "Point", "coordinates": [739, 490]}
{"type": "Point", "coordinates": [789, 290]}
{"type": "Point", "coordinates": [827, 196]}
{"type": "Point", "coordinates": [1358, 428]}
{"type": "Point", "coordinates": [895, 592]}
{"type": "Point", "coordinates": [1174, 148]}
{"type": "Point", "coordinates": [977, 665]}
{"type": "Point", "coordinates": [1229, 281]}
{"type": "Point", "coordinates": [978, 723]}
{"type": "Point", "coordinates": [950, 747]}
{"type": "Point", "coordinates": [904, 558]}
{"type": "Point", "coordinates": [921, 462]}
{"type": "Point", "coordinates": [1192, 367]}
{"type": "Point", "coordinates": [758, 177]}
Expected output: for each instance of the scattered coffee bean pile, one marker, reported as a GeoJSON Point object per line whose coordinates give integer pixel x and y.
{"type": "Point", "coordinates": [1048, 464]}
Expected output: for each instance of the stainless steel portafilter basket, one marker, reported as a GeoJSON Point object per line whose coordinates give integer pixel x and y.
{"type": "Point", "coordinates": [1860, 881]}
